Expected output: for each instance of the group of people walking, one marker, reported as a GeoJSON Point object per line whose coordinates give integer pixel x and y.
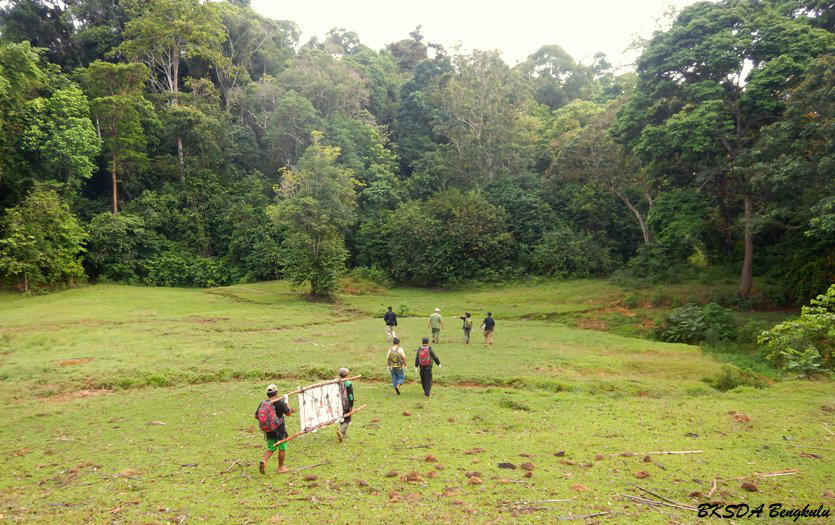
{"type": "Point", "coordinates": [273, 411]}
{"type": "Point", "coordinates": [436, 324]}
{"type": "Point", "coordinates": [425, 356]}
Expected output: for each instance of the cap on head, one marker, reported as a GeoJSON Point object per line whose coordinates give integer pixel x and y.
{"type": "Point", "coordinates": [426, 340]}
{"type": "Point", "coordinates": [489, 313]}
{"type": "Point", "coordinates": [437, 309]}
{"type": "Point", "coordinates": [343, 372]}
{"type": "Point", "coordinates": [272, 389]}
{"type": "Point", "coordinates": [396, 341]}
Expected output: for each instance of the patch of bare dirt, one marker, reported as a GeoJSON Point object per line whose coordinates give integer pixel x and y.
{"type": "Point", "coordinates": [78, 394]}
{"type": "Point", "coordinates": [73, 362]}
{"type": "Point", "coordinates": [592, 324]}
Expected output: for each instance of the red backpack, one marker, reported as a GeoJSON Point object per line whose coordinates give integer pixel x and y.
{"type": "Point", "coordinates": [425, 356]}
{"type": "Point", "coordinates": [267, 418]}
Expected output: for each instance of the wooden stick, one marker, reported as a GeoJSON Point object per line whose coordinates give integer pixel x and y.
{"type": "Point", "coordinates": [713, 488]}
{"type": "Point", "coordinates": [662, 452]}
{"type": "Point", "coordinates": [417, 446]}
{"type": "Point", "coordinates": [657, 495]}
{"type": "Point", "coordinates": [582, 516]}
{"type": "Point", "coordinates": [317, 427]}
{"type": "Point", "coordinates": [799, 446]}
{"type": "Point", "coordinates": [307, 467]}
{"type": "Point", "coordinates": [323, 383]}
{"type": "Point", "coordinates": [825, 427]}
{"type": "Point", "coordinates": [236, 462]}
{"type": "Point", "coordinates": [653, 502]}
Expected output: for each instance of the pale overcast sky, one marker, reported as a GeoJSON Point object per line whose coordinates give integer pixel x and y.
{"type": "Point", "coordinates": [517, 28]}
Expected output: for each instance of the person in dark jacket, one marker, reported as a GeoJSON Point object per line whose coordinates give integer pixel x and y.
{"type": "Point", "coordinates": [391, 324]}
{"type": "Point", "coordinates": [423, 362]}
{"type": "Point", "coordinates": [488, 325]}
{"type": "Point", "coordinates": [346, 390]}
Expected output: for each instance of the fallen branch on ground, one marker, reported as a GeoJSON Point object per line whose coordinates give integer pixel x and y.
{"type": "Point", "coordinates": [662, 452]}
{"type": "Point", "coordinates": [713, 488]}
{"type": "Point", "coordinates": [799, 446]}
{"type": "Point", "coordinates": [582, 516]}
{"type": "Point", "coordinates": [307, 467]}
{"type": "Point", "coordinates": [657, 495]}
{"type": "Point", "coordinates": [653, 502]}
{"type": "Point", "coordinates": [236, 462]}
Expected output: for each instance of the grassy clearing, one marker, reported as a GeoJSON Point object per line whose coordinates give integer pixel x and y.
{"type": "Point", "coordinates": [81, 439]}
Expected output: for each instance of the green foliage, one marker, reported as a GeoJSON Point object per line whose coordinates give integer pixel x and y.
{"type": "Point", "coordinates": [692, 324]}
{"type": "Point", "coordinates": [318, 206]}
{"type": "Point", "coordinates": [805, 346]}
{"type": "Point", "coordinates": [119, 246]}
{"type": "Point", "coordinates": [175, 267]}
{"type": "Point", "coordinates": [732, 377]}
{"type": "Point", "coordinates": [42, 242]}
{"type": "Point", "coordinates": [565, 253]}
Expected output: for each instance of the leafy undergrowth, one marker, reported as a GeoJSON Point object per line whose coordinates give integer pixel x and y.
{"type": "Point", "coordinates": [134, 405]}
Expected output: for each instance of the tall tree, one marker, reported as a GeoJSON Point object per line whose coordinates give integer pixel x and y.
{"type": "Point", "coordinates": [164, 33]}
{"type": "Point", "coordinates": [42, 243]}
{"type": "Point", "coordinates": [118, 107]}
{"type": "Point", "coordinates": [588, 153]}
{"type": "Point", "coordinates": [317, 207]}
{"type": "Point", "coordinates": [706, 89]}
{"type": "Point", "coordinates": [483, 114]}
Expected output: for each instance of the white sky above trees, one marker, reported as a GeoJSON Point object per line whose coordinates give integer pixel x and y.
{"type": "Point", "coordinates": [517, 28]}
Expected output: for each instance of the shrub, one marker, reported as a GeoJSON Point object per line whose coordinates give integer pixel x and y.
{"type": "Point", "coordinates": [566, 253]}
{"type": "Point", "coordinates": [732, 377]}
{"type": "Point", "coordinates": [117, 246]}
{"type": "Point", "coordinates": [805, 346]}
{"type": "Point", "coordinates": [178, 268]}
{"type": "Point", "coordinates": [692, 324]}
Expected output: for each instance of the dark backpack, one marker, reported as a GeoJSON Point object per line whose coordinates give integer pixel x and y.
{"type": "Point", "coordinates": [268, 420]}
{"type": "Point", "coordinates": [425, 356]}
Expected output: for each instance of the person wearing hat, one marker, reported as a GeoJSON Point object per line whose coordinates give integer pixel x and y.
{"type": "Point", "coordinates": [346, 391]}
{"type": "Point", "coordinates": [436, 322]}
{"type": "Point", "coordinates": [282, 409]}
{"type": "Point", "coordinates": [396, 363]}
{"type": "Point", "coordinates": [423, 363]}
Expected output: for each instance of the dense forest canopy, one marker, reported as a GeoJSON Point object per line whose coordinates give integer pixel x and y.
{"type": "Point", "coordinates": [191, 143]}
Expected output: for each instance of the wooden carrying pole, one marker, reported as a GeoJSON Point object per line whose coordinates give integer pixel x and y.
{"type": "Point", "coordinates": [323, 383]}
{"type": "Point", "coordinates": [305, 431]}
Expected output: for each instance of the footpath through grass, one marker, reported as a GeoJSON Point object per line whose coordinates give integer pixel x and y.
{"type": "Point", "coordinates": [134, 405]}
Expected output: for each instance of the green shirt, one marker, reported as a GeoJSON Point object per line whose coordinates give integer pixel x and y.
{"type": "Point", "coordinates": [435, 320]}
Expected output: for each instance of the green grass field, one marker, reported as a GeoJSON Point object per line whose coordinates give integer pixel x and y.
{"type": "Point", "coordinates": [134, 405]}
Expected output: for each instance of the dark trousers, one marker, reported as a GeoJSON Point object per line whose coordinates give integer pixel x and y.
{"type": "Point", "coordinates": [426, 379]}
{"type": "Point", "coordinates": [467, 335]}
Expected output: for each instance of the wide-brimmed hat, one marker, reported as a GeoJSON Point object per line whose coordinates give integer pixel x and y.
{"type": "Point", "coordinates": [437, 309]}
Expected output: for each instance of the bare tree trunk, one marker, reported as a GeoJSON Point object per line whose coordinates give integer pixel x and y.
{"type": "Point", "coordinates": [181, 158]}
{"type": "Point", "coordinates": [635, 211]}
{"type": "Point", "coordinates": [115, 190]}
{"type": "Point", "coordinates": [745, 280]}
